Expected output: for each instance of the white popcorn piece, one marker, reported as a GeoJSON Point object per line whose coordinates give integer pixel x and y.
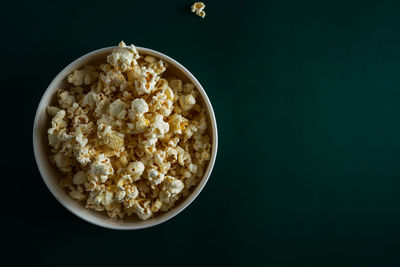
{"type": "Point", "coordinates": [139, 106]}
{"type": "Point", "coordinates": [107, 198]}
{"type": "Point", "coordinates": [192, 168]}
{"type": "Point", "coordinates": [57, 122]}
{"type": "Point", "coordinates": [101, 105]}
{"type": "Point", "coordinates": [177, 123]}
{"type": "Point", "coordinates": [126, 179]}
{"type": "Point", "coordinates": [135, 169]}
{"type": "Point", "coordinates": [52, 111]}
{"type": "Point", "coordinates": [159, 157]}
{"type": "Point", "coordinates": [154, 176]}
{"type": "Point", "coordinates": [158, 126]}
{"type": "Point", "coordinates": [131, 192]}
{"type": "Point", "coordinates": [187, 102]}
{"type": "Point", "coordinates": [118, 109]}
{"type": "Point", "coordinates": [173, 185]}
{"type": "Point", "coordinates": [111, 138]}
{"type": "Point", "coordinates": [101, 169]}
{"type": "Point", "coordinates": [82, 155]}
{"type": "Point", "coordinates": [63, 163]}
{"type": "Point", "coordinates": [184, 157]}
{"type": "Point", "coordinates": [189, 131]}
{"type": "Point", "coordinates": [123, 57]}
{"type": "Point", "coordinates": [120, 195]}
{"type": "Point", "coordinates": [158, 67]}
{"type": "Point", "coordinates": [112, 81]}
{"type": "Point", "coordinates": [65, 99]}
{"type": "Point", "coordinates": [81, 139]}
{"type": "Point", "coordinates": [142, 209]}
{"type": "Point", "coordinates": [87, 75]}
{"type": "Point", "coordinates": [90, 99]}
{"type": "Point", "coordinates": [146, 82]}
{"type": "Point", "coordinates": [171, 188]}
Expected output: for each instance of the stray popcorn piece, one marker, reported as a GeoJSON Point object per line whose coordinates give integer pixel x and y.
{"type": "Point", "coordinates": [197, 8]}
{"type": "Point", "coordinates": [127, 139]}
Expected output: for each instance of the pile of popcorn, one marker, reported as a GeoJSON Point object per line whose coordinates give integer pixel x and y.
{"type": "Point", "coordinates": [126, 139]}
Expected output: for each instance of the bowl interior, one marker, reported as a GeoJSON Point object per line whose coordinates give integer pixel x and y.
{"type": "Point", "coordinates": [51, 175]}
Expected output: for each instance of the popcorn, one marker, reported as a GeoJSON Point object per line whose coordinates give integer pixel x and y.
{"type": "Point", "coordinates": [112, 80]}
{"type": "Point", "coordinates": [123, 180]}
{"type": "Point", "coordinates": [101, 169]}
{"type": "Point", "coordinates": [90, 99]}
{"type": "Point", "coordinates": [197, 8]}
{"type": "Point", "coordinates": [142, 209]}
{"type": "Point", "coordinates": [82, 155]}
{"type": "Point", "coordinates": [57, 123]}
{"type": "Point", "coordinates": [183, 156]}
{"type": "Point", "coordinates": [177, 123]}
{"type": "Point", "coordinates": [172, 185]}
{"type": "Point", "coordinates": [52, 111]}
{"type": "Point", "coordinates": [123, 57]}
{"type": "Point", "coordinates": [141, 124]}
{"type": "Point", "coordinates": [79, 178]}
{"type": "Point", "coordinates": [126, 139]}
{"type": "Point", "coordinates": [156, 206]}
{"type": "Point", "coordinates": [118, 109]}
{"type": "Point", "coordinates": [135, 169]}
{"type": "Point", "coordinates": [155, 177]}
{"type": "Point", "coordinates": [187, 102]}
{"type": "Point", "coordinates": [146, 82]}
{"type": "Point", "coordinates": [111, 138]}
{"type": "Point", "coordinates": [139, 106]}
{"type": "Point", "coordinates": [86, 76]}
{"type": "Point", "coordinates": [131, 192]}
{"type": "Point", "coordinates": [171, 188]}
{"type": "Point", "coordinates": [176, 85]}
{"type": "Point", "coordinates": [63, 163]}
{"type": "Point", "coordinates": [65, 99]}
{"type": "Point", "coordinates": [158, 126]}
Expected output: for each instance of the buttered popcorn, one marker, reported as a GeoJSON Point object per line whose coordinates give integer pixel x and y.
{"type": "Point", "coordinates": [127, 139]}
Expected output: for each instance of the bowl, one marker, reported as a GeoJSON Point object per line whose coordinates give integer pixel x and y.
{"type": "Point", "coordinates": [51, 174]}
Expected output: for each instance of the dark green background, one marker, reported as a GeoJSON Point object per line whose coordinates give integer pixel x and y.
{"type": "Point", "coordinates": [306, 95]}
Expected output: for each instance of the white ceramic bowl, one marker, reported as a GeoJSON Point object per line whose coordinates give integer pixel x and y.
{"type": "Point", "coordinates": [51, 175]}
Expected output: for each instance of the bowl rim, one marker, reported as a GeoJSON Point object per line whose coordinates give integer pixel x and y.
{"type": "Point", "coordinates": [141, 224]}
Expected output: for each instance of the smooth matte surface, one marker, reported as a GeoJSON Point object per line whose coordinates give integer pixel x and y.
{"type": "Point", "coordinates": [306, 95]}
